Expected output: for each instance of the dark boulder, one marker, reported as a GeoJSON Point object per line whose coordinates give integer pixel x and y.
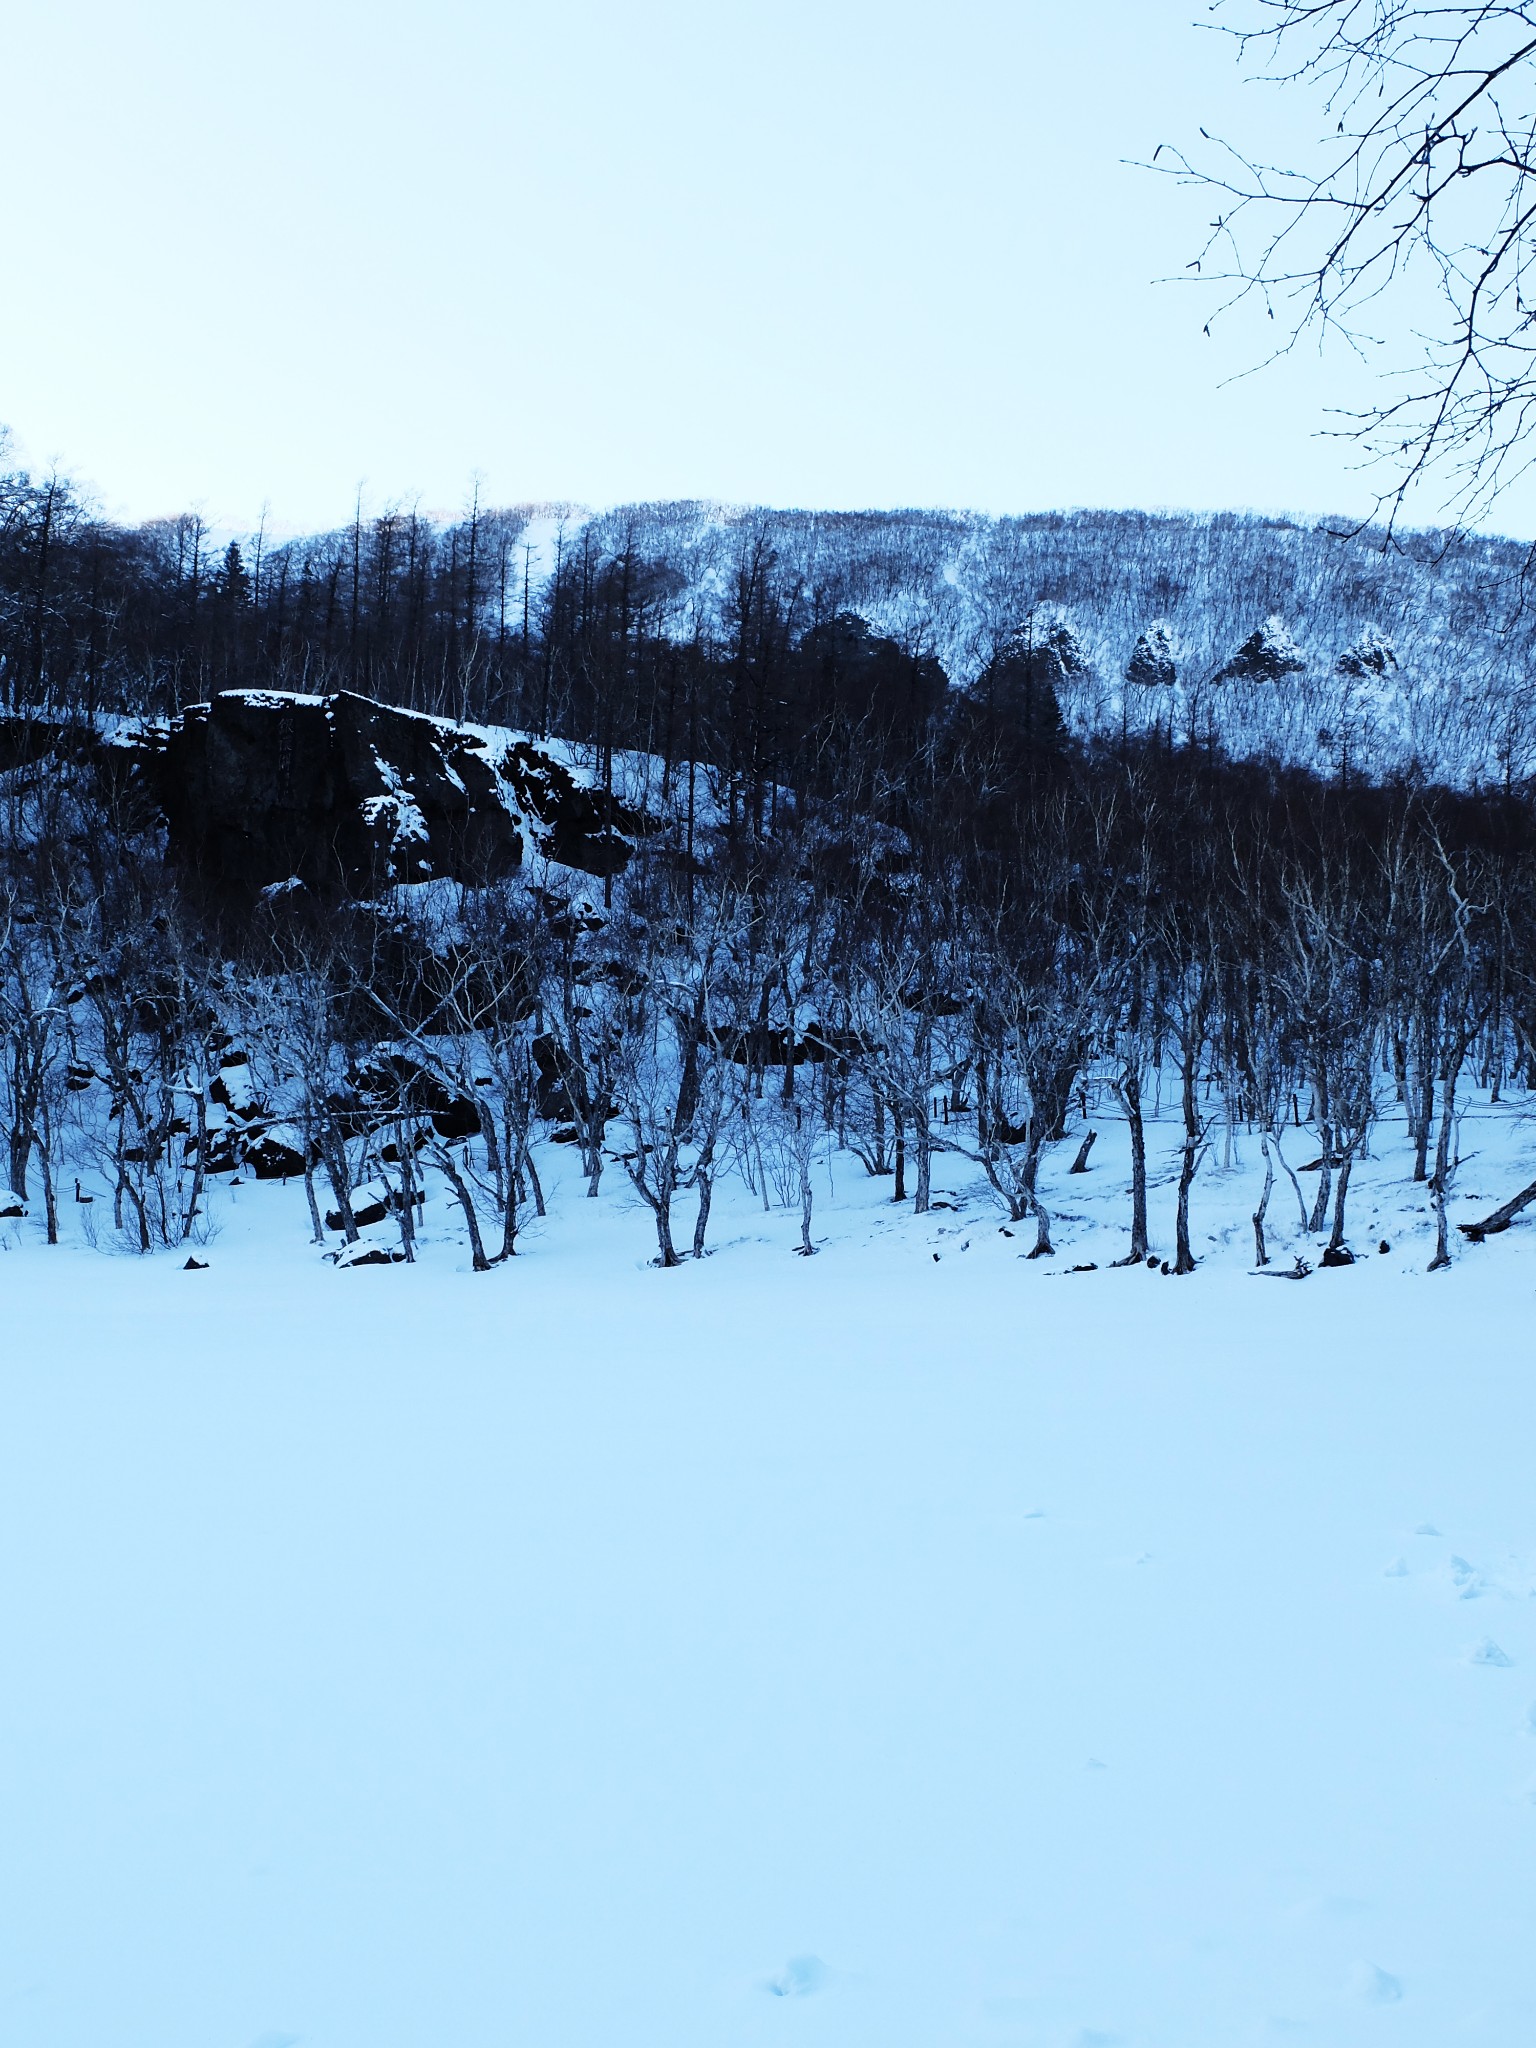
{"type": "Point", "coordinates": [273, 1155]}
{"type": "Point", "coordinates": [392, 1083]}
{"type": "Point", "coordinates": [366, 1255]}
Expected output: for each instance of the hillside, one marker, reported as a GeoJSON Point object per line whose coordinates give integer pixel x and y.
{"type": "Point", "coordinates": [633, 626]}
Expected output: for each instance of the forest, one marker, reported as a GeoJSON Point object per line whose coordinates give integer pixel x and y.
{"type": "Point", "coordinates": [703, 841]}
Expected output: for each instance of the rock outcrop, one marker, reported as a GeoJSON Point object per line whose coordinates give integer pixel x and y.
{"type": "Point", "coordinates": [261, 788]}
{"type": "Point", "coordinates": [1268, 655]}
{"type": "Point", "coordinates": [1153, 663]}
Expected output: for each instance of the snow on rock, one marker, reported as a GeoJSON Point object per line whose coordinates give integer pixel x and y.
{"type": "Point", "coordinates": [1372, 654]}
{"type": "Point", "coordinates": [1153, 663]}
{"type": "Point", "coordinates": [267, 791]}
{"type": "Point", "coordinates": [365, 1254]}
{"type": "Point", "coordinates": [1268, 655]}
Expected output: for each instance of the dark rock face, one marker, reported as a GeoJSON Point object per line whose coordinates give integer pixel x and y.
{"type": "Point", "coordinates": [260, 787]}
{"type": "Point", "coordinates": [271, 1156]}
{"type": "Point", "coordinates": [575, 824]}
{"type": "Point", "coordinates": [1371, 655]}
{"type": "Point", "coordinates": [339, 792]}
{"type": "Point", "coordinates": [1153, 664]}
{"type": "Point", "coordinates": [1268, 655]}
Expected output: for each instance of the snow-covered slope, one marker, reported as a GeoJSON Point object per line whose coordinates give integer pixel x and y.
{"type": "Point", "coordinates": [1453, 702]}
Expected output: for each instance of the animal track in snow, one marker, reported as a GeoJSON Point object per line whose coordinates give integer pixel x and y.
{"type": "Point", "coordinates": [800, 1976]}
{"type": "Point", "coordinates": [1468, 1580]}
{"type": "Point", "coordinates": [1488, 1652]}
{"type": "Point", "coordinates": [1376, 1986]}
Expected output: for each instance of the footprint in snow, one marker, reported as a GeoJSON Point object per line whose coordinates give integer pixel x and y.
{"type": "Point", "coordinates": [1397, 1569]}
{"type": "Point", "coordinates": [1375, 1986]}
{"type": "Point", "coordinates": [1426, 1529]}
{"type": "Point", "coordinates": [1488, 1652]}
{"type": "Point", "coordinates": [1467, 1579]}
{"type": "Point", "coordinates": [800, 1976]}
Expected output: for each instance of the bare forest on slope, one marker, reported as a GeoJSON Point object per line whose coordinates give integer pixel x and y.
{"type": "Point", "coordinates": [700, 841]}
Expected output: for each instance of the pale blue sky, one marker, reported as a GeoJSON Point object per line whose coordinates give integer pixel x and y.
{"type": "Point", "coordinates": [829, 252]}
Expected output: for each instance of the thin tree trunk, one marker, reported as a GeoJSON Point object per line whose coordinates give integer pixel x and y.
{"type": "Point", "coordinates": [338, 1172]}
{"type": "Point", "coordinates": [1189, 1161]}
{"type": "Point", "coordinates": [533, 1180]}
{"type": "Point", "coordinates": [199, 1096]}
{"type": "Point", "coordinates": [705, 1180]}
{"type": "Point", "coordinates": [315, 1218]}
{"type": "Point", "coordinates": [1325, 1136]}
{"type": "Point", "coordinates": [1261, 1254]}
{"type": "Point", "coordinates": [50, 1189]}
{"type": "Point", "coordinates": [1439, 1186]}
{"type": "Point", "coordinates": [1128, 1091]}
{"type": "Point", "coordinates": [444, 1161]}
{"type": "Point", "coordinates": [1042, 1247]}
{"type": "Point", "coordinates": [662, 1209]}
{"type": "Point", "coordinates": [407, 1151]}
{"type": "Point", "coordinates": [1424, 1107]}
{"type": "Point", "coordinates": [1336, 1240]}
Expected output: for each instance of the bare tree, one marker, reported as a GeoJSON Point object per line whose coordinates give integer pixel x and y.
{"type": "Point", "coordinates": [1410, 221]}
{"type": "Point", "coordinates": [668, 1075]}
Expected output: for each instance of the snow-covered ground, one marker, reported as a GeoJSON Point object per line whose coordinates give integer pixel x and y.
{"type": "Point", "coordinates": [881, 1650]}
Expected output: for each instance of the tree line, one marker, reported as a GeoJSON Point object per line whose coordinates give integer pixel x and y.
{"type": "Point", "coordinates": [952, 930]}
{"type": "Point", "coordinates": [655, 624]}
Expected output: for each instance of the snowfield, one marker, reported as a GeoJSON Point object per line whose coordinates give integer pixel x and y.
{"type": "Point", "coordinates": [885, 1650]}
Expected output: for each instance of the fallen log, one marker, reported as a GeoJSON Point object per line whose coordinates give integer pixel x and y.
{"type": "Point", "coordinates": [1490, 1226]}
{"type": "Point", "coordinates": [1299, 1271]}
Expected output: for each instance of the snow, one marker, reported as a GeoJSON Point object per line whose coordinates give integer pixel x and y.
{"type": "Point", "coordinates": [886, 1650]}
